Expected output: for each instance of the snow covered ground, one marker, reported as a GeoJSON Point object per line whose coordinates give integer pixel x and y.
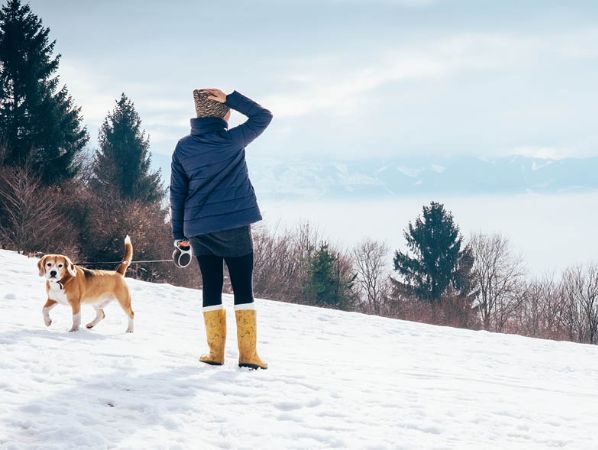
{"type": "Point", "coordinates": [336, 380]}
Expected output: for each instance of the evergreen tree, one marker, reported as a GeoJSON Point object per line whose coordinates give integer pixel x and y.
{"type": "Point", "coordinates": [327, 285]}
{"type": "Point", "coordinates": [123, 160]}
{"type": "Point", "coordinates": [40, 127]}
{"type": "Point", "coordinates": [439, 265]}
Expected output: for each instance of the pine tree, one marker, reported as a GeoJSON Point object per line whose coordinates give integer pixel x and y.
{"type": "Point", "coordinates": [439, 265]}
{"type": "Point", "coordinates": [40, 127]}
{"type": "Point", "coordinates": [123, 160]}
{"type": "Point", "coordinates": [327, 285]}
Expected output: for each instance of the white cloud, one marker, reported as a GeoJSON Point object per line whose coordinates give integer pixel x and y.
{"type": "Point", "coordinates": [164, 118]}
{"type": "Point", "coordinates": [338, 93]}
{"type": "Point", "coordinates": [340, 84]}
{"type": "Point", "coordinates": [411, 172]}
{"type": "Point", "coordinates": [338, 88]}
{"type": "Point", "coordinates": [151, 103]}
{"type": "Point", "coordinates": [88, 88]}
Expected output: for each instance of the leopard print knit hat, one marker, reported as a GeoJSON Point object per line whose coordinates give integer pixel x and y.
{"type": "Point", "coordinates": [206, 107]}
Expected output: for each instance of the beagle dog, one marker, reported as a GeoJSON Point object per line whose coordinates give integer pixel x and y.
{"type": "Point", "coordinates": [71, 285]}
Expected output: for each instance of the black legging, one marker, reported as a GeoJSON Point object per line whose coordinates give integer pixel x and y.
{"type": "Point", "coordinates": [212, 273]}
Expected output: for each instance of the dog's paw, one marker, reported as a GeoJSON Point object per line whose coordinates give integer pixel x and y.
{"type": "Point", "coordinates": [74, 329]}
{"type": "Point", "coordinates": [48, 322]}
{"type": "Point", "coordinates": [89, 326]}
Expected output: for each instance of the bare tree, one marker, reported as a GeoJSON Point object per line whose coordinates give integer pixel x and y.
{"type": "Point", "coordinates": [306, 241]}
{"type": "Point", "coordinates": [498, 277]}
{"type": "Point", "coordinates": [541, 312]}
{"type": "Point", "coordinates": [580, 287]}
{"type": "Point", "coordinates": [372, 278]}
{"type": "Point", "coordinates": [85, 160]}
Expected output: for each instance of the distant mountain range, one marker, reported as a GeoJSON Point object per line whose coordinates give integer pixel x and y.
{"type": "Point", "coordinates": [376, 178]}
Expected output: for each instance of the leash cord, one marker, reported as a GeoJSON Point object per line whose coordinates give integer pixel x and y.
{"type": "Point", "coordinates": [85, 263]}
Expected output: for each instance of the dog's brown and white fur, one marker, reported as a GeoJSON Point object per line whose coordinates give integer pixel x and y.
{"type": "Point", "coordinates": [72, 285]}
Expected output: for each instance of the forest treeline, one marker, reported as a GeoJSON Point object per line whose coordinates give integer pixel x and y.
{"type": "Point", "coordinates": [61, 192]}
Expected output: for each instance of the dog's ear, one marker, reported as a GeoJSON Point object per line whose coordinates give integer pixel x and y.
{"type": "Point", "coordinates": [41, 265]}
{"type": "Point", "coordinates": [70, 267]}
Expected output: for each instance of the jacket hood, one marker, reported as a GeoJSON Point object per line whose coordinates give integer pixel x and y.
{"type": "Point", "coordinates": [200, 125]}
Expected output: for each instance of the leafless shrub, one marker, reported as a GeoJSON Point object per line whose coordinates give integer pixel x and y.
{"type": "Point", "coordinates": [412, 309]}
{"type": "Point", "coordinates": [281, 261]}
{"type": "Point", "coordinates": [456, 311]}
{"type": "Point", "coordinates": [30, 215]}
{"type": "Point", "coordinates": [452, 310]}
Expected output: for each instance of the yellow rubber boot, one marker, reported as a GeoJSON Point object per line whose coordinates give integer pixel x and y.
{"type": "Point", "coordinates": [247, 337]}
{"type": "Point", "coordinates": [216, 333]}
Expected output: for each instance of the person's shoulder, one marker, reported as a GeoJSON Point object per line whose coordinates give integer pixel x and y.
{"type": "Point", "coordinates": [182, 143]}
{"type": "Point", "coordinates": [184, 140]}
{"type": "Point", "coordinates": [179, 148]}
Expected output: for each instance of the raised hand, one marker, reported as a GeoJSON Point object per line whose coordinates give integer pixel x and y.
{"type": "Point", "coordinates": [217, 95]}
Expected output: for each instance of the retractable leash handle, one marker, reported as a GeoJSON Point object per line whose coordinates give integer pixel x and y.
{"type": "Point", "coordinates": [182, 255]}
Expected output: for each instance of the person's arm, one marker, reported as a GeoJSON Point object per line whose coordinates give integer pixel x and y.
{"type": "Point", "coordinates": [178, 193]}
{"type": "Point", "coordinates": [258, 117]}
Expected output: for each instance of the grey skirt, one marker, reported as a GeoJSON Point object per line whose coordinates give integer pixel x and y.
{"type": "Point", "coordinates": [227, 243]}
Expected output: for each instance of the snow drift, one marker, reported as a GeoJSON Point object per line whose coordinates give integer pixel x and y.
{"type": "Point", "coordinates": [336, 380]}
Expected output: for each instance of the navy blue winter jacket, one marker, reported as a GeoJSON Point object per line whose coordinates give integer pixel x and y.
{"type": "Point", "coordinates": [209, 186]}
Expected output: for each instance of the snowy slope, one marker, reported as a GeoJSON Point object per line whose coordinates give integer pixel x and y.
{"type": "Point", "coordinates": [336, 380]}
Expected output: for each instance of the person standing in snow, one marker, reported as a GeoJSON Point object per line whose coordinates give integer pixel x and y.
{"type": "Point", "coordinates": [213, 205]}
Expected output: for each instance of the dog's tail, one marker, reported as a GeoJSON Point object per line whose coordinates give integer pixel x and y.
{"type": "Point", "coordinates": [122, 268]}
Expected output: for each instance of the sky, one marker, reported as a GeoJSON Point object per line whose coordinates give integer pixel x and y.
{"type": "Point", "coordinates": [345, 79]}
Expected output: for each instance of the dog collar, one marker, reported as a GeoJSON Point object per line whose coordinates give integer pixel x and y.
{"type": "Point", "coordinates": [60, 285]}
